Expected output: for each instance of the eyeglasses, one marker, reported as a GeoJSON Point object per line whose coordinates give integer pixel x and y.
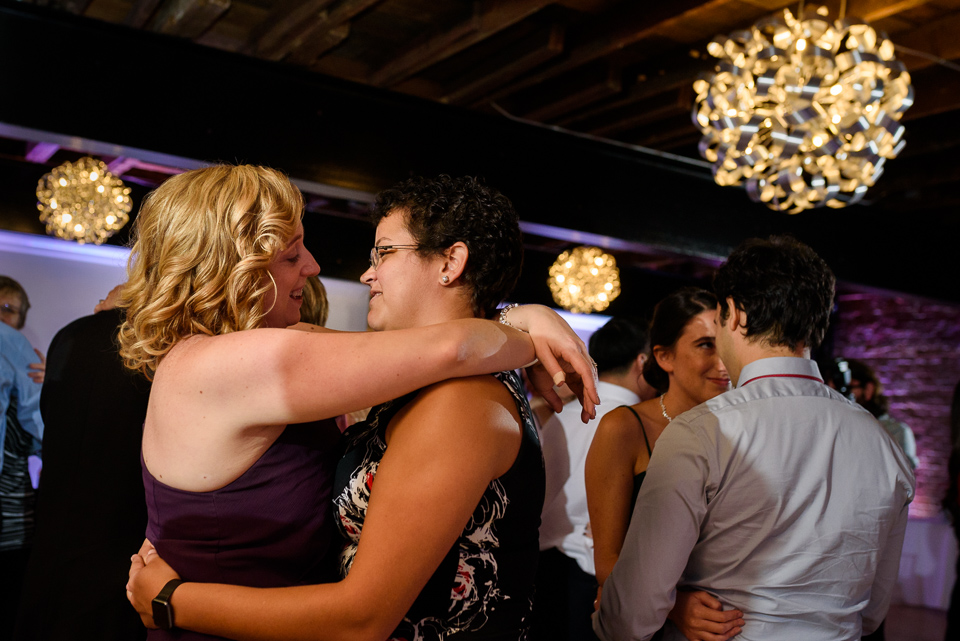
{"type": "Point", "coordinates": [7, 308]}
{"type": "Point", "coordinates": [376, 254]}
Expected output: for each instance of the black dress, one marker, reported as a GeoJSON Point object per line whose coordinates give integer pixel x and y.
{"type": "Point", "coordinates": [483, 588]}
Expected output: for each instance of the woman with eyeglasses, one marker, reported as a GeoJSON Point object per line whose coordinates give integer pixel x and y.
{"type": "Point", "coordinates": [686, 370]}
{"type": "Point", "coordinates": [237, 494]}
{"type": "Point", "coordinates": [14, 304]}
{"type": "Point", "coordinates": [21, 430]}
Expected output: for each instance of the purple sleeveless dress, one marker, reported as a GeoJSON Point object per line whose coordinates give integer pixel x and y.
{"type": "Point", "coordinates": [271, 527]}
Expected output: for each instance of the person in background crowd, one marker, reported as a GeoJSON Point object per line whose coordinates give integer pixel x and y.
{"type": "Point", "coordinates": [316, 307]}
{"type": "Point", "coordinates": [754, 494]}
{"type": "Point", "coordinates": [685, 371]}
{"type": "Point", "coordinates": [91, 490]}
{"type": "Point", "coordinates": [868, 391]}
{"type": "Point", "coordinates": [857, 381]}
{"type": "Point", "coordinates": [566, 586]}
{"type": "Point", "coordinates": [21, 430]}
{"type": "Point", "coordinates": [951, 503]}
{"type": "Point", "coordinates": [440, 264]}
{"type": "Point", "coordinates": [14, 304]}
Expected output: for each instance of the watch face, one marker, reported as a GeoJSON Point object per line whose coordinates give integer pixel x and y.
{"type": "Point", "coordinates": [162, 613]}
{"type": "Point", "coordinates": [162, 610]}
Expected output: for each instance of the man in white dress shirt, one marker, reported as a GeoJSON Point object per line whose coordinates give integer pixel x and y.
{"type": "Point", "coordinates": [780, 497]}
{"type": "Point", "coordinates": [566, 583]}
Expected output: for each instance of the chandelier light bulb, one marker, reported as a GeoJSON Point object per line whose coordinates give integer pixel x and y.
{"type": "Point", "coordinates": [82, 201]}
{"type": "Point", "coordinates": [803, 111]}
{"type": "Point", "coordinates": [584, 280]}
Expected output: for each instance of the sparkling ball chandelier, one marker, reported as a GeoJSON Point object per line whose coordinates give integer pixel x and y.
{"type": "Point", "coordinates": [803, 111]}
{"type": "Point", "coordinates": [82, 201]}
{"type": "Point", "coordinates": [584, 280]}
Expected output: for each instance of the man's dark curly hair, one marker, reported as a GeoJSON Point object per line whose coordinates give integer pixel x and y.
{"type": "Point", "coordinates": [784, 288]}
{"type": "Point", "coordinates": [445, 210]}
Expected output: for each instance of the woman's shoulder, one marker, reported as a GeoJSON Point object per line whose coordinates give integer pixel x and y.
{"type": "Point", "coordinates": [468, 389]}
{"type": "Point", "coordinates": [626, 419]}
{"type": "Point", "coordinates": [622, 427]}
{"type": "Point", "coordinates": [470, 409]}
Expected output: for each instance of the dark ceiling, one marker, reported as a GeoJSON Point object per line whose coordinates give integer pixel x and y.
{"type": "Point", "coordinates": [349, 96]}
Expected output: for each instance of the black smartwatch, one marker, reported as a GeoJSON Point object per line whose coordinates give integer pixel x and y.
{"type": "Point", "coordinates": [162, 612]}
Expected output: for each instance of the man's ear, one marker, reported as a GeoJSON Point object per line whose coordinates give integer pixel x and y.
{"type": "Point", "coordinates": [736, 317]}
{"type": "Point", "coordinates": [455, 261]}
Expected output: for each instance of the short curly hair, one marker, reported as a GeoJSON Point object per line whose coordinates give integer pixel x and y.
{"type": "Point", "coordinates": [445, 210]}
{"type": "Point", "coordinates": [670, 318]}
{"type": "Point", "coordinates": [203, 242]}
{"type": "Point", "coordinates": [783, 286]}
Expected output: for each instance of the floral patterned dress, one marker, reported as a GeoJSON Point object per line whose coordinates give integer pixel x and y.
{"type": "Point", "coordinates": [483, 588]}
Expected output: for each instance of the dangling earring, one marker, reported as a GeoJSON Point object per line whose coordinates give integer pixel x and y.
{"type": "Point", "coordinates": [445, 280]}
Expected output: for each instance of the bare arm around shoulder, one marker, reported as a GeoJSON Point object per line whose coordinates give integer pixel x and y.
{"type": "Point", "coordinates": [610, 466]}
{"type": "Point", "coordinates": [443, 451]}
{"type": "Point", "coordinates": [272, 376]}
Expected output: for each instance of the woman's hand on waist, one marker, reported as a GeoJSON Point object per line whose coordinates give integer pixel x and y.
{"type": "Point", "coordinates": [148, 574]}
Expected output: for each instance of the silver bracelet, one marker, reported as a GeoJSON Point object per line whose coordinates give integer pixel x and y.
{"type": "Point", "coordinates": [503, 317]}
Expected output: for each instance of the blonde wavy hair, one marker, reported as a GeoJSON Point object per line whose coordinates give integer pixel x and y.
{"type": "Point", "coordinates": [203, 241]}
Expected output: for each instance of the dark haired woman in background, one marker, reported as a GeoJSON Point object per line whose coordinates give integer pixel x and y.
{"type": "Point", "coordinates": [686, 371]}
{"type": "Point", "coordinates": [438, 495]}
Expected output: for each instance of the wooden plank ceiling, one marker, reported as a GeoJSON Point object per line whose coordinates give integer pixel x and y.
{"type": "Point", "coordinates": [618, 69]}
{"type": "Point", "coordinates": [615, 69]}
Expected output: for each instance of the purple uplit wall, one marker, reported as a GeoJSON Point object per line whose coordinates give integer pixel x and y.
{"type": "Point", "coordinates": [914, 347]}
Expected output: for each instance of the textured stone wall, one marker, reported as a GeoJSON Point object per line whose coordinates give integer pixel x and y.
{"type": "Point", "coordinates": [914, 346]}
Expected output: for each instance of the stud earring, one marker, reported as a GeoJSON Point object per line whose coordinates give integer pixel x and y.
{"type": "Point", "coordinates": [445, 280]}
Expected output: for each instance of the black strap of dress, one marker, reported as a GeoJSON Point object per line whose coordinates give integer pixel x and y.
{"type": "Point", "coordinates": [642, 429]}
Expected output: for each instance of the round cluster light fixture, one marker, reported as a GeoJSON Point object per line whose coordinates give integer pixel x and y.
{"type": "Point", "coordinates": [804, 111]}
{"type": "Point", "coordinates": [82, 201]}
{"type": "Point", "coordinates": [584, 280]}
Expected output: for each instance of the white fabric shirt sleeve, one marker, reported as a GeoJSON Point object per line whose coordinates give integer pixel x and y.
{"type": "Point", "coordinates": [885, 579]}
{"type": "Point", "coordinates": [670, 509]}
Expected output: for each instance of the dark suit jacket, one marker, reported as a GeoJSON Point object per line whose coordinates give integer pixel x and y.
{"type": "Point", "coordinates": [91, 513]}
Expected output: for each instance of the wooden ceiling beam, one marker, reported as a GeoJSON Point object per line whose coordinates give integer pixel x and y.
{"type": "Point", "coordinates": [638, 119]}
{"type": "Point", "coordinates": [510, 64]}
{"type": "Point", "coordinates": [609, 84]}
{"type": "Point", "coordinates": [328, 33]}
{"type": "Point", "coordinates": [489, 17]}
{"type": "Point", "coordinates": [188, 18]}
{"type": "Point", "coordinates": [319, 44]}
{"type": "Point", "coordinates": [73, 6]}
{"type": "Point", "coordinates": [873, 10]}
{"type": "Point", "coordinates": [285, 27]}
{"type": "Point", "coordinates": [645, 87]}
{"type": "Point", "coordinates": [636, 21]}
{"type": "Point", "coordinates": [666, 137]}
{"type": "Point", "coordinates": [665, 106]}
{"type": "Point", "coordinates": [140, 13]}
{"type": "Point", "coordinates": [937, 38]}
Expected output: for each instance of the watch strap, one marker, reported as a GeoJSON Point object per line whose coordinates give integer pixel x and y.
{"type": "Point", "coordinates": [162, 611]}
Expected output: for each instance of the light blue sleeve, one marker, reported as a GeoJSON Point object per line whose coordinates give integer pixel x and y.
{"type": "Point", "coordinates": [19, 355]}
